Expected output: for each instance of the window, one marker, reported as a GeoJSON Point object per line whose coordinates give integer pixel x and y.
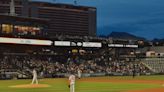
{"type": "Point", "coordinates": [7, 28]}
{"type": "Point", "coordinates": [26, 30]}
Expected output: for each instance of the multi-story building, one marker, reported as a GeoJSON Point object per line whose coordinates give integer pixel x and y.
{"type": "Point", "coordinates": [64, 19]}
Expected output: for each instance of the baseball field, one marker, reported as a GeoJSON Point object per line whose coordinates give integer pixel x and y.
{"type": "Point", "coordinates": [92, 84]}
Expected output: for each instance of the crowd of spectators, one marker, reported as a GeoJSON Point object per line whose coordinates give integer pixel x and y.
{"type": "Point", "coordinates": [49, 65]}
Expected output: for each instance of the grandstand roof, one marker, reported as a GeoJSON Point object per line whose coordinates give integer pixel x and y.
{"type": "Point", "coordinates": [157, 49]}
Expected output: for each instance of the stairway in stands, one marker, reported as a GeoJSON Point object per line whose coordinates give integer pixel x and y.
{"type": "Point", "coordinates": [154, 64]}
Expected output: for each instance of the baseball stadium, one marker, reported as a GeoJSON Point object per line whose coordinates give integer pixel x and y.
{"type": "Point", "coordinates": [48, 47]}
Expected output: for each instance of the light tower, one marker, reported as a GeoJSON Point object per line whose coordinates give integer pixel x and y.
{"type": "Point", "coordinates": [75, 2]}
{"type": "Point", "coordinates": [12, 8]}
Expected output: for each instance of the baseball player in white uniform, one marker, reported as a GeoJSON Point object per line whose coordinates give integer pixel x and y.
{"type": "Point", "coordinates": [72, 83]}
{"type": "Point", "coordinates": [35, 79]}
{"type": "Point", "coordinates": [79, 73]}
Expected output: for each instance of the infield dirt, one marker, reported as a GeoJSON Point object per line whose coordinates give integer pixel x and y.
{"type": "Point", "coordinates": [30, 86]}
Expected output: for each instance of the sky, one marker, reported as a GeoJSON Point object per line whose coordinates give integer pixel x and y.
{"type": "Point", "coordinates": [144, 18]}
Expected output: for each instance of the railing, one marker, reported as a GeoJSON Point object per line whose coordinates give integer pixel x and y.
{"type": "Point", "coordinates": [154, 64]}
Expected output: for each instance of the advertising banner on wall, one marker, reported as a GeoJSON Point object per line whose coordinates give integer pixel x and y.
{"type": "Point", "coordinates": [62, 43]}
{"type": "Point", "coordinates": [92, 44]}
{"type": "Point", "coordinates": [25, 41]}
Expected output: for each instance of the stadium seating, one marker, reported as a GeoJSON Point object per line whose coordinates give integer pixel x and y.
{"type": "Point", "coordinates": [155, 64]}
{"type": "Point", "coordinates": [51, 66]}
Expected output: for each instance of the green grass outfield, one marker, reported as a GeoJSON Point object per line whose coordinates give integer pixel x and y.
{"type": "Point", "coordinates": [82, 85]}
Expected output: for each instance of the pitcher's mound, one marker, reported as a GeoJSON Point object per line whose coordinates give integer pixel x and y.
{"type": "Point", "coordinates": [31, 86]}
